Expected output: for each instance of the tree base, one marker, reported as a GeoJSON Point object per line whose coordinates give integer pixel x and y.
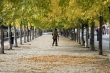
{"type": "Point", "coordinates": [15, 46]}
{"type": "Point", "coordinates": [2, 53]}
{"type": "Point", "coordinates": [93, 50]}
{"type": "Point", "coordinates": [100, 53]}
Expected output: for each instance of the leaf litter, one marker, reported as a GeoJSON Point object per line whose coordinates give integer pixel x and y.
{"type": "Point", "coordinates": [52, 61]}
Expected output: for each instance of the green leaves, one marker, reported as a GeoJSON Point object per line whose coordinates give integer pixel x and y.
{"type": "Point", "coordinates": [53, 13]}
{"type": "Point", "coordinates": [64, 3]}
{"type": "Point", "coordinates": [1, 5]}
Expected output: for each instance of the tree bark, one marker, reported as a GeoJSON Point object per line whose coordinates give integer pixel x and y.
{"type": "Point", "coordinates": [1, 39]}
{"type": "Point", "coordinates": [27, 34]}
{"type": "Point", "coordinates": [24, 34]}
{"type": "Point", "coordinates": [74, 34]}
{"type": "Point", "coordinates": [35, 33]}
{"type": "Point", "coordinates": [21, 33]}
{"type": "Point", "coordinates": [87, 34]}
{"type": "Point", "coordinates": [83, 42]}
{"type": "Point", "coordinates": [67, 32]}
{"type": "Point", "coordinates": [40, 31]}
{"type": "Point", "coordinates": [71, 34]}
{"type": "Point", "coordinates": [92, 38]}
{"type": "Point", "coordinates": [109, 27]}
{"type": "Point", "coordinates": [79, 41]}
{"type": "Point", "coordinates": [100, 36]}
{"type": "Point", "coordinates": [15, 37]}
{"type": "Point", "coordinates": [77, 35]}
{"type": "Point", "coordinates": [10, 36]}
{"type": "Point", "coordinates": [32, 32]}
{"type": "Point", "coordinates": [64, 33]}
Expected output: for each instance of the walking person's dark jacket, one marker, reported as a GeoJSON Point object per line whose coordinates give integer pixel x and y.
{"type": "Point", "coordinates": [55, 37]}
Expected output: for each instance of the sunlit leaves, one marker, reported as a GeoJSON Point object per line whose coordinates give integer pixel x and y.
{"type": "Point", "coordinates": [1, 6]}
{"type": "Point", "coordinates": [64, 3]}
{"type": "Point", "coordinates": [53, 13]}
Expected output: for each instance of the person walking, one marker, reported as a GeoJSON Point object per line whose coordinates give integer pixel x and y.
{"type": "Point", "coordinates": [55, 37]}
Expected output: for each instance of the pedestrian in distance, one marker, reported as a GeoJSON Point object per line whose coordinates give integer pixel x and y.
{"type": "Point", "coordinates": [55, 37]}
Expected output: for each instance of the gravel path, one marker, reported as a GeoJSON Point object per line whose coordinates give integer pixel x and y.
{"type": "Point", "coordinates": [39, 56]}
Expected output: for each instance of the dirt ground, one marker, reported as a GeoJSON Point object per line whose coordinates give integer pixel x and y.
{"type": "Point", "coordinates": [39, 56]}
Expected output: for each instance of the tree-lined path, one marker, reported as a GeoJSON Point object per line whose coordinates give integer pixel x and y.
{"type": "Point", "coordinates": [33, 52]}
{"type": "Point", "coordinates": [31, 16]}
{"type": "Point", "coordinates": [40, 56]}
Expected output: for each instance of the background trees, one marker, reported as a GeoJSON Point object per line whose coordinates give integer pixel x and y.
{"type": "Point", "coordinates": [30, 15]}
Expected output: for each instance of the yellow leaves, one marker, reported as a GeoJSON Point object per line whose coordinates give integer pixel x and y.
{"type": "Point", "coordinates": [44, 19]}
{"type": "Point", "coordinates": [17, 22]}
{"type": "Point", "coordinates": [6, 5]}
{"type": "Point", "coordinates": [105, 2]}
{"type": "Point", "coordinates": [72, 2]}
{"type": "Point", "coordinates": [78, 13]}
{"type": "Point", "coordinates": [64, 59]}
{"type": "Point", "coordinates": [55, 10]}
{"type": "Point", "coordinates": [61, 62]}
{"type": "Point", "coordinates": [1, 60]}
{"type": "Point", "coordinates": [55, 2]}
{"type": "Point", "coordinates": [55, 13]}
{"type": "Point", "coordinates": [66, 26]}
{"type": "Point", "coordinates": [93, 11]}
{"type": "Point", "coordinates": [96, 23]}
{"type": "Point", "coordinates": [90, 13]}
{"type": "Point", "coordinates": [68, 12]}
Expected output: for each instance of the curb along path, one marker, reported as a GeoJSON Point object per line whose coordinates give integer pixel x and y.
{"type": "Point", "coordinates": [39, 56]}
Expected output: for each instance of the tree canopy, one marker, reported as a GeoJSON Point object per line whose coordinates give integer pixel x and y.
{"type": "Point", "coordinates": [50, 14]}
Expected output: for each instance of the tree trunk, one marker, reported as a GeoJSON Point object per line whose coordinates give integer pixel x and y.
{"type": "Point", "coordinates": [67, 32]}
{"type": "Point", "coordinates": [100, 36]}
{"type": "Point", "coordinates": [35, 33]}
{"type": "Point", "coordinates": [27, 34]}
{"type": "Point", "coordinates": [87, 34]}
{"type": "Point", "coordinates": [71, 34]}
{"type": "Point", "coordinates": [64, 33]}
{"type": "Point", "coordinates": [92, 38]}
{"type": "Point", "coordinates": [24, 34]}
{"type": "Point", "coordinates": [83, 42]}
{"type": "Point", "coordinates": [1, 39]}
{"type": "Point", "coordinates": [32, 32]}
{"type": "Point", "coordinates": [21, 33]}
{"type": "Point", "coordinates": [77, 35]}
{"type": "Point", "coordinates": [15, 37]}
{"type": "Point", "coordinates": [10, 36]}
{"type": "Point", "coordinates": [109, 27]}
{"type": "Point", "coordinates": [74, 34]}
{"type": "Point", "coordinates": [40, 32]}
{"type": "Point", "coordinates": [79, 41]}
